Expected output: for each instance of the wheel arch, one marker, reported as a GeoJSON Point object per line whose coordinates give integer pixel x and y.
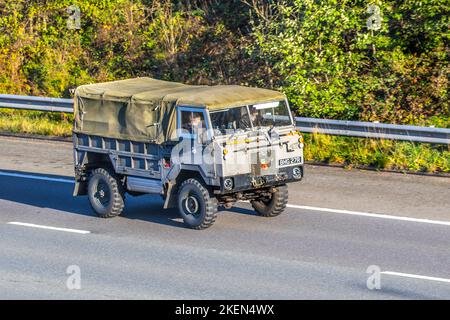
{"type": "Point", "coordinates": [87, 162]}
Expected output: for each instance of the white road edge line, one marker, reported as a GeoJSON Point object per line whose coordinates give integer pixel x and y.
{"type": "Point", "coordinates": [415, 276]}
{"type": "Point", "coordinates": [31, 225]}
{"type": "Point", "coordinates": [35, 177]}
{"type": "Point", "coordinates": [371, 215]}
{"type": "Point", "coordinates": [355, 213]}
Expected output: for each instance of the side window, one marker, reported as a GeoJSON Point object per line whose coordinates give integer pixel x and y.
{"type": "Point", "coordinates": [192, 122]}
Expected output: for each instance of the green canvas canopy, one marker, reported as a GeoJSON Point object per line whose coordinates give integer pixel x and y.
{"type": "Point", "coordinates": [143, 109]}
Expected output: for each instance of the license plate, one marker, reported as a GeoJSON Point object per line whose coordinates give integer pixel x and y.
{"type": "Point", "coordinates": [290, 161]}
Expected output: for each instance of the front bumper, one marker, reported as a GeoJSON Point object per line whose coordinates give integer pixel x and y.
{"type": "Point", "coordinates": [246, 182]}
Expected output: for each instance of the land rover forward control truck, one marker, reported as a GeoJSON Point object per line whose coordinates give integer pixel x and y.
{"type": "Point", "coordinates": [196, 146]}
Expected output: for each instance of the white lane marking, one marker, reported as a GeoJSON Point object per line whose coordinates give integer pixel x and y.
{"type": "Point", "coordinates": [415, 276]}
{"type": "Point", "coordinates": [35, 177]}
{"type": "Point", "coordinates": [371, 215]}
{"type": "Point", "coordinates": [31, 225]}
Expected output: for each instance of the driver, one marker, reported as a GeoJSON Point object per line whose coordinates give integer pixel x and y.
{"type": "Point", "coordinates": [195, 122]}
{"type": "Point", "coordinates": [255, 118]}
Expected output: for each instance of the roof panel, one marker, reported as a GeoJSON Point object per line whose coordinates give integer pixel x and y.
{"type": "Point", "coordinates": [148, 89]}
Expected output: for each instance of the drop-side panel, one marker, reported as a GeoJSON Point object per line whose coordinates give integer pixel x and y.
{"type": "Point", "coordinates": [128, 157]}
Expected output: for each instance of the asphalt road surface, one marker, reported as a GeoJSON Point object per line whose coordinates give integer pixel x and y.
{"type": "Point", "coordinates": [338, 223]}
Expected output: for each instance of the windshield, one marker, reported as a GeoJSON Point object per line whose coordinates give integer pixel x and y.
{"type": "Point", "coordinates": [245, 118]}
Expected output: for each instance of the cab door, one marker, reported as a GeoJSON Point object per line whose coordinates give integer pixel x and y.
{"type": "Point", "coordinates": [192, 131]}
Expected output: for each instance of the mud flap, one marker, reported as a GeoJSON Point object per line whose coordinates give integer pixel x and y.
{"type": "Point", "coordinates": [80, 188]}
{"type": "Point", "coordinates": [171, 197]}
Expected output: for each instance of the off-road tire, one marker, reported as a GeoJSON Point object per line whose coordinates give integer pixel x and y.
{"type": "Point", "coordinates": [204, 214]}
{"type": "Point", "coordinates": [275, 205]}
{"type": "Point", "coordinates": [115, 194]}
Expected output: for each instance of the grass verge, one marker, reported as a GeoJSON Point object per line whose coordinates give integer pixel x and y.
{"type": "Point", "coordinates": [36, 122]}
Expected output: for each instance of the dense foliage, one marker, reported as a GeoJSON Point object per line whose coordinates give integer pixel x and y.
{"type": "Point", "coordinates": [321, 53]}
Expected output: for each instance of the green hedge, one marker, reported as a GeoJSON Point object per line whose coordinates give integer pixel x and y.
{"type": "Point", "coordinates": [333, 65]}
{"type": "Point", "coordinates": [321, 53]}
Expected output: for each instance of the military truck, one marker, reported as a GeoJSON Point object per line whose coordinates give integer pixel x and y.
{"type": "Point", "coordinates": [196, 146]}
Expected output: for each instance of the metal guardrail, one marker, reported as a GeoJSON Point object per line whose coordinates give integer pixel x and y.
{"type": "Point", "coordinates": [36, 103]}
{"type": "Point", "coordinates": [310, 125]}
{"type": "Point", "coordinates": [374, 130]}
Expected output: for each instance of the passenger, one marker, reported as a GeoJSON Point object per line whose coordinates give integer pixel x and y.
{"type": "Point", "coordinates": [256, 117]}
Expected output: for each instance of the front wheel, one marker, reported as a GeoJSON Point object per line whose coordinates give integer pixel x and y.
{"type": "Point", "coordinates": [196, 205]}
{"type": "Point", "coordinates": [273, 206]}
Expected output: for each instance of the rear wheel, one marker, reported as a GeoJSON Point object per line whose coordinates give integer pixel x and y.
{"type": "Point", "coordinates": [273, 206]}
{"type": "Point", "coordinates": [106, 193]}
{"type": "Point", "coordinates": [196, 205]}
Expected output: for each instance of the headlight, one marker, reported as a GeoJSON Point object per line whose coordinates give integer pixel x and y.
{"type": "Point", "coordinates": [228, 184]}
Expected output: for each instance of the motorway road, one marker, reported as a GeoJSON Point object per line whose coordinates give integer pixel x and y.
{"type": "Point", "coordinates": [338, 223]}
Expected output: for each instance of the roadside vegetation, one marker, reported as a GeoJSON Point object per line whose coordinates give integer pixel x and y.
{"type": "Point", "coordinates": [380, 154]}
{"type": "Point", "coordinates": [345, 151]}
{"type": "Point", "coordinates": [334, 59]}
{"type": "Point", "coordinates": [36, 123]}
